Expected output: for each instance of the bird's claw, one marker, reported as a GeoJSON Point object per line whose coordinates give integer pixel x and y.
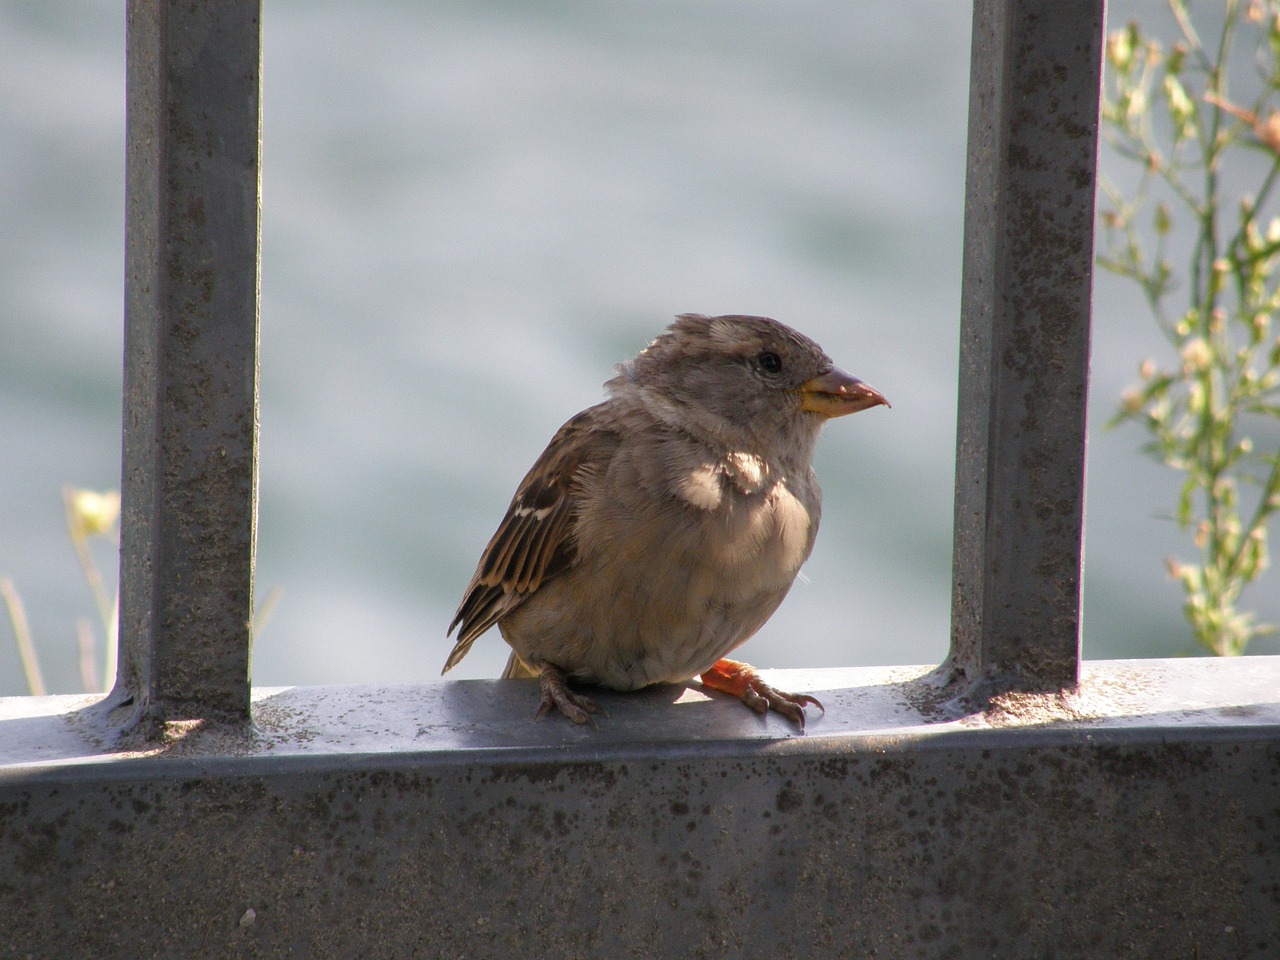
{"type": "Point", "coordinates": [556, 693]}
{"type": "Point", "coordinates": [744, 682]}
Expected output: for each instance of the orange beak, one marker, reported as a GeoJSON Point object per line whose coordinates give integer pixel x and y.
{"type": "Point", "coordinates": [836, 394]}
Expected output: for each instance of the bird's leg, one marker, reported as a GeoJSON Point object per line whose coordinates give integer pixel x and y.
{"type": "Point", "coordinates": [556, 693]}
{"type": "Point", "coordinates": [743, 681]}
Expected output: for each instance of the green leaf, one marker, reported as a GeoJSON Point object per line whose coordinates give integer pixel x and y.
{"type": "Point", "coordinates": [1184, 504]}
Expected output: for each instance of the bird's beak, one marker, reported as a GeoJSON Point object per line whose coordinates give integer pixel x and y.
{"type": "Point", "coordinates": [837, 393]}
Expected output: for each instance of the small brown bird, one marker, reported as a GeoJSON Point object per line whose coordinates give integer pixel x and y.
{"type": "Point", "coordinates": [661, 528]}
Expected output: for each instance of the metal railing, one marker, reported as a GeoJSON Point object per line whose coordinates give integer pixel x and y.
{"type": "Point", "coordinates": [1136, 820]}
{"type": "Point", "coordinates": [189, 491]}
{"type": "Point", "coordinates": [189, 484]}
{"type": "Point", "coordinates": [1024, 345]}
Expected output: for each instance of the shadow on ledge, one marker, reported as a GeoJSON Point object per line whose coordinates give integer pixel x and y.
{"type": "Point", "coordinates": [866, 708]}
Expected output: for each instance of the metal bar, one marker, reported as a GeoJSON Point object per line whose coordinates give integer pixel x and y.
{"type": "Point", "coordinates": [1024, 345]}
{"type": "Point", "coordinates": [189, 477]}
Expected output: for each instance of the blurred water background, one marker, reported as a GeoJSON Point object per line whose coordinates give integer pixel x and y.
{"type": "Point", "coordinates": [471, 210]}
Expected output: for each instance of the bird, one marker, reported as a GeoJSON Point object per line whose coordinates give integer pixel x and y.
{"type": "Point", "coordinates": [662, 527]}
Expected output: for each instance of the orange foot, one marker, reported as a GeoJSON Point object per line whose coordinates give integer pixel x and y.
{"type": "Point", "coordinates": [556, 693]}
{"type": "Point", "coordinates": [743, 681]}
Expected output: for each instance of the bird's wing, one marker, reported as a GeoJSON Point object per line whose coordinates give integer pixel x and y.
{"type": "Point", "coordinates": [534, 542]}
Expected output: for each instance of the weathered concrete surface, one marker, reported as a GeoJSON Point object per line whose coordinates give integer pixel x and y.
{"type": "Point", "coordinates": [1139, 819]}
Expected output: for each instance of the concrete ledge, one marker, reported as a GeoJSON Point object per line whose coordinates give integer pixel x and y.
{"type": "Point", "coordinates": [1141, 818]}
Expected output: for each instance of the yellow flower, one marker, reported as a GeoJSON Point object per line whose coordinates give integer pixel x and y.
{"type": "Point", "coordinates": [1181, 109]}
{"type": "Point", "coordinates": [95, 513]}
{"type": "Point", "coordinates": [1120, 49]}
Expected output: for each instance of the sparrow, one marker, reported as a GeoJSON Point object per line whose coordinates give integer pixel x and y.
{"type": "Point", "coordinates": [660, 529]}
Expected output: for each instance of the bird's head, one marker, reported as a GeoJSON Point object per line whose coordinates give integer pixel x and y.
{"type": "Point", "coordinates": [747, 382]}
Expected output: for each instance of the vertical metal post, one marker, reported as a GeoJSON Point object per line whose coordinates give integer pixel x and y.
{"type": "Point", "coordinates": [189, 483]}
{"type": "Point", "coordinates": [1024, 344]}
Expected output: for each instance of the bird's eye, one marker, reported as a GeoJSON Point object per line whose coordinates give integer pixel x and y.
{"type": "Point", "coordinates": [769, 362]}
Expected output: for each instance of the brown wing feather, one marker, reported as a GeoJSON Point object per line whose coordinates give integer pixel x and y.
{"type": "Point", "coordinates": [534, 542]}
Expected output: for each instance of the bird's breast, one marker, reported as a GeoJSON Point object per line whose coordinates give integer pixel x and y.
{"type": "Point", "coordinates": [759, 541]}
{"type": "Point", "coordinates": [663, 586]}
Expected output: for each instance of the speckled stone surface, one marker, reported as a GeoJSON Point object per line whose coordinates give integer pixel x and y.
{"type": "Point", "coordinates": [1137, 818]}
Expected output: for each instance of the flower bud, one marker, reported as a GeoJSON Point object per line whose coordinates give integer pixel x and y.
{"type": "Point", "coordinates": [1196, 354]}
{"type": "Point", "coordinates": [94, 513]}
{"type": "Point", "coordinates": [1120, 48]}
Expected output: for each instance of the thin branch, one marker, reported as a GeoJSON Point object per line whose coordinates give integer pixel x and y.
{"type": "Point", "coordinates": [22, 634]}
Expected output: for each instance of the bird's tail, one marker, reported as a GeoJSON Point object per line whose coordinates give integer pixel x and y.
{"type": "Point", "coordinates": [517, 669]}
